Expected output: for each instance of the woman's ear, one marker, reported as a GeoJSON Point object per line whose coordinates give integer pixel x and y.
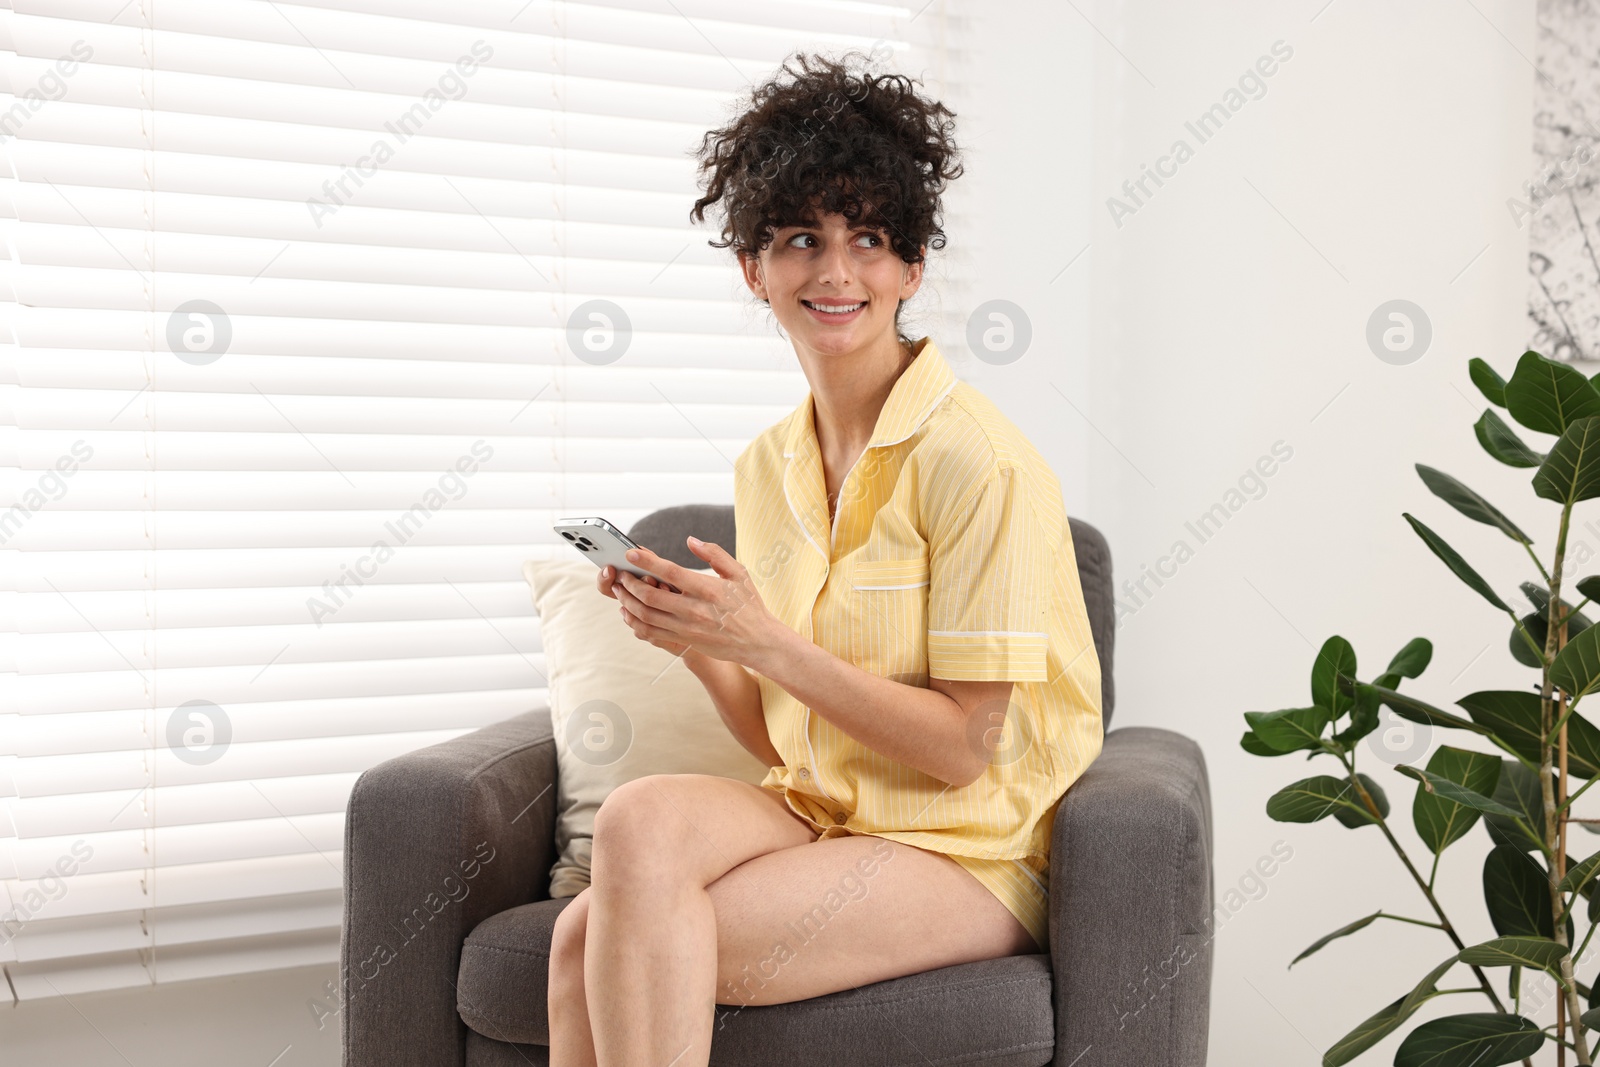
{"type": "Point", "coordinates": [750, 267]}
{"type": "Point", "coordinates": [913, 277]}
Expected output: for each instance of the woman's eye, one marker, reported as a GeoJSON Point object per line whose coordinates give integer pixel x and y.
{"type": "Point", "coordinates": [873, 239]}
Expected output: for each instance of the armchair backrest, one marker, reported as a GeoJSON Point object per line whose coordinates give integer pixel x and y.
{"type": "Point", "coordinates": [663, 531]}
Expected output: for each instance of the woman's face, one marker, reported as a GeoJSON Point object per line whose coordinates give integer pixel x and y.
{"type": "Point", "coordinates": [834, 287]}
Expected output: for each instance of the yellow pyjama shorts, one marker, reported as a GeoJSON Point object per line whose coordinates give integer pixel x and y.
{"type": "Point", "coordinates": [1022, 885]}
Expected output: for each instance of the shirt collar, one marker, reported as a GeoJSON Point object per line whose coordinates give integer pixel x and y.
{"type": "Point", "coordinates": [919, 389]}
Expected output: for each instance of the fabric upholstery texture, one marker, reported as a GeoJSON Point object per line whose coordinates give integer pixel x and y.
{"type": "Point", "coordinates": [435, 975]}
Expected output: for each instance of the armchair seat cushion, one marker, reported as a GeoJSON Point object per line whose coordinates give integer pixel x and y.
{"type": "Point", "coordinates": [997, 1012]}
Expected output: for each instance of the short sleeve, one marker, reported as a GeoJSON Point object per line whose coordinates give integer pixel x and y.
{"type": "Point", "coordinates": [991, 574]}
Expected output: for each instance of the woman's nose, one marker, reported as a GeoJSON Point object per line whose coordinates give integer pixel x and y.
{"type": "Point", "coordinates": [835, 266]}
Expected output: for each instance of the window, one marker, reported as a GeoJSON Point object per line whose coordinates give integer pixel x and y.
{"type": "Point", "coordinates": [317, 313]}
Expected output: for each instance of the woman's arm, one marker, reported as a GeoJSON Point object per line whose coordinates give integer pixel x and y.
{"type": "Point", "coordinates": [737, 696]}
{"type": "Point", "coordinates": [941, 730]}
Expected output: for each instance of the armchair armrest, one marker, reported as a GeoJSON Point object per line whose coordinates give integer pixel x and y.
{"type": "Point", "coordinates": [436, 841]}
{"type": "Point", "coordinates": [1131, 905]}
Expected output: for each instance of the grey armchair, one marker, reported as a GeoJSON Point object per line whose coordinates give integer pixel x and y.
{"type": "Point", "coordinates": [445, 948]}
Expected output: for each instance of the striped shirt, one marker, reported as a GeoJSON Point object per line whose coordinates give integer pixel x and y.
{"type": "Point", "coordinates": [950, 556]}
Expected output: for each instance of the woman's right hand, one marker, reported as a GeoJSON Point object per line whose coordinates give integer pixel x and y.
{"type": "Point", "coordinates": [608, 577]}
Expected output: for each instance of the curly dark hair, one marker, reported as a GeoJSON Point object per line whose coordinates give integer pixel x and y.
{"type": "Point", "coordinates": [830, 133]}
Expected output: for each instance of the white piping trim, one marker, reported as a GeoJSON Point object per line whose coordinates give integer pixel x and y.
{"type": "Point", "coordinates": [924, 417]}
{"type": "Point", "coordinates": [987, 633]}
{"type": "Point", "coordinates": [1033, 878]}
{"type": "Point", "coordinates": [804, 532]}
{"type": "Point", "coordinates": [816, 775]}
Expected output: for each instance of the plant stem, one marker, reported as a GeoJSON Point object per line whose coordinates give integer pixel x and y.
{"type": "Point", "coordinates": [1536, 562]}
{"type": "Point", "coordinates": [1543, 657]}
{"type": "Point", "coordinates": [1561, 723]}
{"type": "Point", "coordinates": [1433, 901]}
{"type": "Point", "coordinates": [1566, 805]}
{"type": "Point", "coordinates": [1563, 1042]}
{"type": "Point", "coordinates": [1554, 828]}
{"type": "Point", "coordinates": [1584, 946]}
{"type": "Point", "coordinates": [1575, 610]}
{"type": "Point", "coordinates": [1416, 922]}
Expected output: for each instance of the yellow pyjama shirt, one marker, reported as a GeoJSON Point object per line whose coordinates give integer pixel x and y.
{"type": "Point", "coordinates": [950, 556]}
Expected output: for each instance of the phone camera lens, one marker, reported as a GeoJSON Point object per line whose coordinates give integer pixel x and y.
{"type": "Point", "coordinates": [568, 536]}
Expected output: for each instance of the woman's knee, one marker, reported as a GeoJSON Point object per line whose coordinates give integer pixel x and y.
{"type": "Point", "coordinates": [568, 936]}
{"type": "Point", "coordinates": [640, 818]}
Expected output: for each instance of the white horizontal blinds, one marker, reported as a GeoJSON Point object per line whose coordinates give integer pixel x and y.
{"type": "Point", "coordinates": [286, 295]}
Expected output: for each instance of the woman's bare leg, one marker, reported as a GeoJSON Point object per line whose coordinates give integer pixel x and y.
{"type": "Point", "coordinates": [650, 968]}
{"type": "Point", "coordinates": [571, 1039]}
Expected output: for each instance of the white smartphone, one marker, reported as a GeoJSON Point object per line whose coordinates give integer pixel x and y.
{"type": "Point", "coordinates": [604, 544]}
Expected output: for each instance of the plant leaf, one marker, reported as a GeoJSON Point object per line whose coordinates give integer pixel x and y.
{"type": "Point", "coordinates": [1578, 877]}
{"type": "Point", "coordinates": [1363, 715]}
{"type": "Point", "coordinates": [1519, 789]}
{"type": "Point", "coordinates": [1452, 559]}
{"type": "Point", "coordinates": [1257, 747]}
{"type": "Point", "coordinates": [1408, 707]}
{"type": "Point", "coordinates": [1440, 820]}
{"type": "Point", "coordinates": [1313, 798]}
{"type": "Point", "coordinates": [1577, 666]}
{"type": "Point", "coordinates": [1333, 657]}
{"type": "Point", "coordinates": [1540, 953]}
{"type": "Point", "coordinates": [1517, 892]}
{"type": "Point", "coordinates": [1343, 931]}
{"type": "Point", "coordinates": [1513, 716]}
{"type": "Point", "coordinates": [1468, 502]}
{"type": "Point", "coordinates": [1502, 442]}
{"type": "Point", "coordinates": [1448, 790]}
{"type": "Point", "coordinates": [1488, 381]}
{"type": "Point", "coordinates": [1385, 1020]}
{"type": "Point", "coordinates": [1590, 587]}
{"type": "Point", "coordinates": [1362, 817]}
{"type": "Point", "coordinates": [1411, 660]}
{"type": "Point", "coordinates": [1571, 472]}
{"type": "Point", "coordinates": [1538, 630]}
{"type": "Point", "coordinates": [1290, 729]}
{"type": "Point", "coordinates": [1548, 396]}
{"type": "Point", "coordinates": [1481, 1039]}
{"type": "Point", "coordinates": [1538, 627]}
{"type": "Point", "coordinates": [1539, 597]}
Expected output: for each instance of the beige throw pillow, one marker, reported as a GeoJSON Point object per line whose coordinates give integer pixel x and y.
{"type": "Point", "coordinates": [621, 709]}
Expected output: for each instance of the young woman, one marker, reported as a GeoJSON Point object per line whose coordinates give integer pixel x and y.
{"type": "Point", "coordinates": [902, 637]}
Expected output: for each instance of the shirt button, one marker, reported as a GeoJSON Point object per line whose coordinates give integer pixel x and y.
{"type": "Point", "coordinates": [804, 773]}
{"type": "Point", "coordinates": [839, 815]}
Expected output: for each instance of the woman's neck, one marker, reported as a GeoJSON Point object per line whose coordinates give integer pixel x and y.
{"type": "Point", "coordinates": [848, 392]}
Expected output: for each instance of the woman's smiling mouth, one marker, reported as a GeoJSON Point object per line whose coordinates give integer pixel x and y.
{"type": "Point", "coordinates": [833, 311]}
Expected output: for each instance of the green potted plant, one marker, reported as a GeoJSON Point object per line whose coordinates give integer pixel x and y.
{"type": "Point", "coordinates": [1533, 890]}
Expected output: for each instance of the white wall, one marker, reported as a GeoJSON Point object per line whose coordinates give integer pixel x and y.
{"type": "Point", "coordinates": [1230, 314]}
{"type": "Point", "coordinates": [1184, 344]}
{"type": "Point", "coordinates": [1022, 87]}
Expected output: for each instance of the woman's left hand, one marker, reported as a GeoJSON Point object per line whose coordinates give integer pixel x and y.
{"type": "Point", "coordinates": [720, 615]}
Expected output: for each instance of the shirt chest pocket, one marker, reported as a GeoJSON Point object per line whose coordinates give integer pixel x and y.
{"type": "Point", "coordinates": [888, 624]}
